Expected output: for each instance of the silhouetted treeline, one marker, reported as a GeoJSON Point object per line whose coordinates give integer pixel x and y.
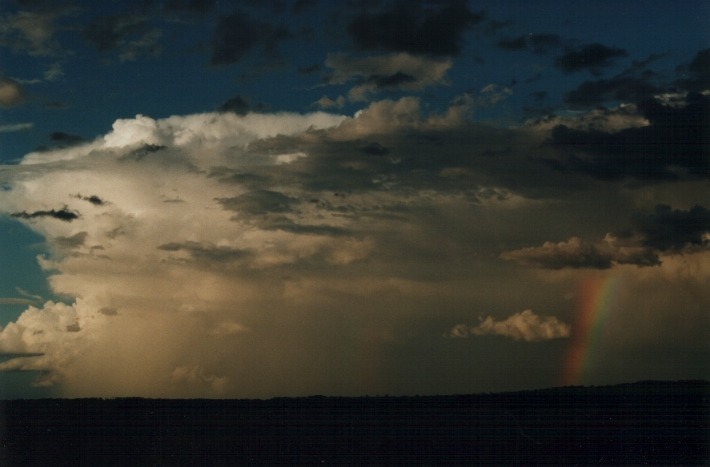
{"type": "Point", "coordinates": [641, 423]}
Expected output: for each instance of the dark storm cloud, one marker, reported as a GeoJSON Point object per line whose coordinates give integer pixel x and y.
{"type": "Point", "coordinates": [619, 88]}
{"type": "Point", "coordinates": [591, 57]}
{"type": "Point", "coordinates": [538, 43]}
{"type": "Point", "coordinates": [675, 145]}
{"type": "Point", "coordinates": [237, 34]}
{"type": "Point", "coordinates": [415, 27]}
{"type": "Point", "coordinates": [667, 229]}
{"type": "Point", "coordinates": [63, 214]}
{"type": "Point", "coordinates": [662, 231]}
{"type": "Point", "coordinates": [697, 72]}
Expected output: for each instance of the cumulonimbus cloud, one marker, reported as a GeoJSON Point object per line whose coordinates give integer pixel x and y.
{"type": "Point", "coordinates": [232, 255]}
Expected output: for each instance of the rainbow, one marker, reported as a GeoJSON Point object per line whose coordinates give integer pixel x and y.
{"type": "Point", "coordinates": [595, 298]}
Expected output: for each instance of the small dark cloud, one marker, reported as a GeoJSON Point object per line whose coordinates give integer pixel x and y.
{"type": "Point", "coordinates": [237, 34]}
{"type": "Point", "coordinates": [241, 106]}
{"type": "Point", "coordinates": [125, 32]}
{"type": "Point", "coordinates": [259, 202]}
{"type": "Point", "coordinates": [676, 144]}
{"type": "Point", "coordinates": [375, 149]}
{"type": "Point", "coordinates": [287, 225]}
{"type": "Point", "coordinates": [95, 200]}
{"type": "Point", "coordinates": [107, 311]}
{"type": "Point", "coordinates": [517, 43]}
{"type": "Point", "coordinates": [237, 105]}
{"type": "Point", "coordinates": [590, 57]}
{"type": "Point", "coordinates": [415, 27]}
{"type": "Point", "coordinates": [72, 241]}
{"type": "Point", "coordinates": [63, 214]}
{"type": "Point", "coordinates": [391, 81]}
{"type": "Point", "coordinates": [66, 139]}
{"type": "Point", "coordinates": [143, 151]}
{"type": "Point", "coordinates": [206, 251]}
{"type": "Point", "coordinates": [307, 70]}
{"type": "Point", "coordinates": [74, 327]}
{"type": "Point", "coordinates": [538, 43]}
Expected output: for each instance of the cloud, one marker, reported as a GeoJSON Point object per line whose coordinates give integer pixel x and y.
{"type": "Point", "coordinates": [675, 144]}
{"type": "Point", "coordinates": [11, 92]}
{"type": "Point", "coordinates": [619, 88]}
{"type": "Point", "coordinates": [590, 57]}
{"type": "Point", "coordinates": [393, 72]}
{"type": "Point", "coordinates": [670, 230]}
{"type": "Point", "coordinates": [236, 104]}
{"type": "Point", "coordinates": [525, 325]}
{"type": "Point", "coordinates": [63, 214]}
{"type": "Point", "coordinates": [237, 34]}
{"type": "Point", "coordinates": [60, 139]}
{"type": "Point", "coordinates": [573, 253]}
{"type": "Point", "coordinates": [415, 28]}
{"type": "Point", "coordinates": [664, 231]}
{"type": "Point", "coordinates": [32, 31]}
{"type": "Point", "coordinates": [16, 301]}
{"type": "Point", "coordinates": [132, 35]}
{"type": "Point", "coordinates": [695, 76]}
{"type": "Point", "coordinates": [225, 255]}
{"type": "Point", "coordinates": [539, 43]}
{"type": "Point", "coordinates": [13, 127]}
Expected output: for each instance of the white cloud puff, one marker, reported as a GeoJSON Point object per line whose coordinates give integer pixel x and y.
{"type": "Point", "coordinates": [525, 325]}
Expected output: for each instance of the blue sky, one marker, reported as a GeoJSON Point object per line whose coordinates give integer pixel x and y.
{"type": "Point", "coordinates": [331, 195]}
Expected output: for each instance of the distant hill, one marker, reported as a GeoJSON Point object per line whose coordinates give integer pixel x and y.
{"type": "Point", "coordinates": [650, 422]}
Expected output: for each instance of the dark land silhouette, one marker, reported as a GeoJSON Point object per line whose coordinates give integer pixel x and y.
{"type": "Point", "coordinates": [649, 422]}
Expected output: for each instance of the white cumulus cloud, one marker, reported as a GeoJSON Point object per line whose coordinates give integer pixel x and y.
{"type": "Point", "coordinates": [525, 325]}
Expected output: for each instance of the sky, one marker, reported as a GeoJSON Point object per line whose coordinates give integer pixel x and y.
{"type": "Point", "coordinates": [248, 199]}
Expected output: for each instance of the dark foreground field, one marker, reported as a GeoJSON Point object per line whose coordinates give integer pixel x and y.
{"type": "Point", "coordinates": [641, 423]}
